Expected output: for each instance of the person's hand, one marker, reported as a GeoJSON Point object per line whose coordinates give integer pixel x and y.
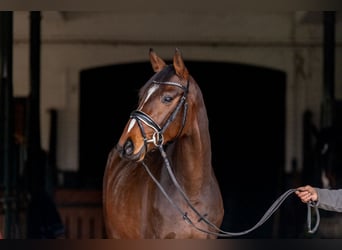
{"type": "Point", "coordinates": [306, 193]}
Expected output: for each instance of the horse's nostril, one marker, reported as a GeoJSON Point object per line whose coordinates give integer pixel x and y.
{"type": "Point", "coordinates": [128, 147]}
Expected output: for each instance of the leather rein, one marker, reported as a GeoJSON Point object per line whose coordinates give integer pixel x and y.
{"type": "Point", "coordinates": [158, 140]}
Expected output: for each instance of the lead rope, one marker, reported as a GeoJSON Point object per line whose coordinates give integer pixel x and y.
{"type": "Point", "coordinates": [309, 205]}
{"type": "Point", "coordinates": [220, 232]}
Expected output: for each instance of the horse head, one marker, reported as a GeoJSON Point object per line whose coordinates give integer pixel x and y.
{"type": "Point", "coordinates": [162, 109]}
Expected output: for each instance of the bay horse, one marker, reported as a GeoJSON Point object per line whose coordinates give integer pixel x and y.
{"type": "Point", "coordinates": [159, 182]}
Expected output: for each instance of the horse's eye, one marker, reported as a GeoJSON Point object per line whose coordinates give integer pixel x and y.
{"type": "Point", "coordinates": [167, 99]}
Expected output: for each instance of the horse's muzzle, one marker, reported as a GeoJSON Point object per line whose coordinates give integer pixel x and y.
{"type": "Point", "coordinates": [127, 151]}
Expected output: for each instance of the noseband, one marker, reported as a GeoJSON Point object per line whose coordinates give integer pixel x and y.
{"type": "Point", "coordinates": [158, 137]}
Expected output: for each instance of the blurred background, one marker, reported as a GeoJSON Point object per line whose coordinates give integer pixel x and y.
{"type": "Point", "coordinates": [69, 79]}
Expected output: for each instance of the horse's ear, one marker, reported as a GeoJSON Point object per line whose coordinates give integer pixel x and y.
{"type": "Point", "coordinates": [157, 63]}
{"type": "Point", "coordinates": [179, 66]}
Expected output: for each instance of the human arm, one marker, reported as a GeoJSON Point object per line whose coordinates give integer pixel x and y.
{"type": "Point", "coordinates": [327, 199]}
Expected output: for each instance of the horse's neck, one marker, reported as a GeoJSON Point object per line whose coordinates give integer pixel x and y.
{"type": "Point", "coordinates": [191, 159]}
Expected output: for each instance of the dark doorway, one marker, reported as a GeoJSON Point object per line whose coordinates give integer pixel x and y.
{"type": "Point", "coordinates": [107, 97]}
{"type": "Point", "coordinates": [246, 110]}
